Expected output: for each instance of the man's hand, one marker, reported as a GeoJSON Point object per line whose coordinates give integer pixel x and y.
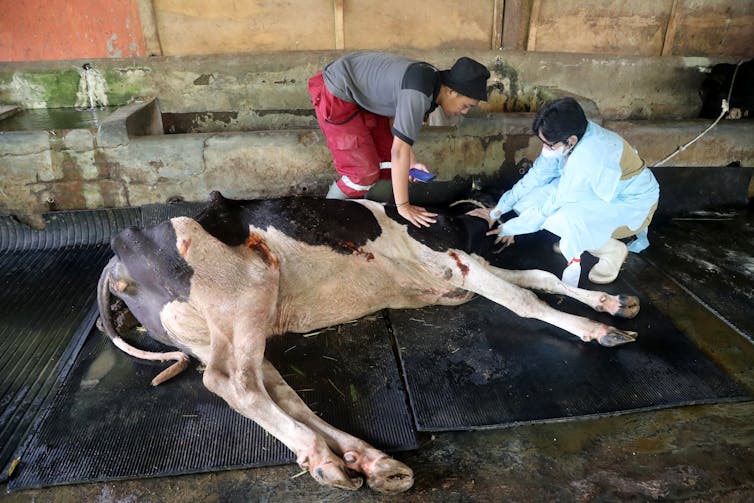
{"type": "Point", "coordinates": [417, 215]}
{"type": "Point", "coordinates": [420, 167]}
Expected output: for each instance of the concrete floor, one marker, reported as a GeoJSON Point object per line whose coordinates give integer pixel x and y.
{"type": "Point", "coordinates": [695, 453]}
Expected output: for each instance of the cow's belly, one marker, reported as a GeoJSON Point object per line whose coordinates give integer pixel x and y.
{"type": "Point", "coordinates": [323, 288]}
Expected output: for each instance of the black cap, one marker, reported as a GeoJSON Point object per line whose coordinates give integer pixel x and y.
{"type": "Point", "coordinates": [467, 77]}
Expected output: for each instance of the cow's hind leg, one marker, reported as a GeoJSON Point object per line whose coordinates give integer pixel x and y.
{"type": "Point", "coordinates": [624, 306]}
{"type": "Point", "coordinates": [481, 280]}
{"type": "Point", "coordinates": [382, 472]}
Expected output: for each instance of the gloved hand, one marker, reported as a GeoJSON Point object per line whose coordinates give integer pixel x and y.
{"type": "Point", "coordinates": [499, 210]}
{"type": "Point", "coordinates": [483, 213]}
{"type": "Point", "coordinates": [504, 241]}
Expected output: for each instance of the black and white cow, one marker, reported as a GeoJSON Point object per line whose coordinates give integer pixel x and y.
{"type": "Point", "coordinates": [720, 85]}
{"type": "Point", "coordinates": [216, 287]}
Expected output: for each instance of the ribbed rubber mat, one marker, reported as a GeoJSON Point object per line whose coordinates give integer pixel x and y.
{"type": "Point", "coordinates": [479, 366]}
{"type": "Point", "coordinates": [46, 301]}
{"type": "Point", "coordinates": [153, 214]}
{"type": "Point", "coordinates": [108, 423]}
{"type": "Point", "coordinates": [67, 228]}
{"type": "Point", "coordinates": [712, 255]}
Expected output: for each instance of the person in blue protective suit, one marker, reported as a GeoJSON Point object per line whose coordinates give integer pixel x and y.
{"type": "Point", "coordinates": [588, 186]}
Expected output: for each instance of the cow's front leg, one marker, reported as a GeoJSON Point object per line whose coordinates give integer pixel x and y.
{"type": "Point", "coordinates": [476, 277]}
{"type": "Point", "coordinates": [382, 472]}
{"type": "Point", "coordinates": [624, 306]}
{"type": "Point", "coordinates": [235, 374]}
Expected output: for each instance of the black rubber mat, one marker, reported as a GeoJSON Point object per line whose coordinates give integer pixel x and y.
{"type": "Point", "coordinates": [711, 254]}
{"type": "Point", "coordinates": [480, 366]}
{"type": "Point", "coordinates": [694, 188]}
{"type": "Point", "coordinates": [46, 304]}
{"type": "Point", "coordinates": [109, 423]}
{"type": "Point", "coordinates": [48, 284]}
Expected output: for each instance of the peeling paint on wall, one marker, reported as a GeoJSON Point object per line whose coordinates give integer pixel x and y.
{"type": "Point", "coordinates": [26, 93]}
{"type": "Point", "coordinates": [34, 30]}
{"type": "Point", "coordinates": [111, 50]}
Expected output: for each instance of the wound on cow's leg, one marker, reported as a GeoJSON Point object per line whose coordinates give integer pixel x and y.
{"type": "Point", "coordinates": [255, 243]}
{"type": "Point", "coordinates": [463, 267]}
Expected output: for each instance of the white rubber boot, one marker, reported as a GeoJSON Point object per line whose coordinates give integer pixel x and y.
{"type": "Point", "coordinates": [611, 255]}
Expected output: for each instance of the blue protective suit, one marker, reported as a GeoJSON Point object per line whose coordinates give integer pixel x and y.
{"type": "Point", "coordinates": [585, 196]}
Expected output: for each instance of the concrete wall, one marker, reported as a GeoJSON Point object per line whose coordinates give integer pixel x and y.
{"type": "Point", "coordinates": [268, 82]}
{"type": "Point", "coordinates": [128, 161]}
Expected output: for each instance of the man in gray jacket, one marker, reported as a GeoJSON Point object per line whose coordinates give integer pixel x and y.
{"type": "Point", "coordinates": [354, 97]}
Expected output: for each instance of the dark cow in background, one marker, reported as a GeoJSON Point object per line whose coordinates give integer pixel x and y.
{"type": "Point", "coordinates": [216, 287]}
{"type": "Point", "coordinates": [716, 86]}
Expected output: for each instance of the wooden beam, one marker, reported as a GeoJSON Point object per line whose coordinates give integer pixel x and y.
{"type": "Point", "coordinates": [533, 20]}
{"type": "Point", "coordinates": [339, 29]}
{"type": "Point", "coordinates": [516, 14]}
{"type": "Point", "coordinates": [148, 22]}
{"type": "Point", "coordinates": [673, 20]}
{"type": "Point", "coordinates": [498, 7]}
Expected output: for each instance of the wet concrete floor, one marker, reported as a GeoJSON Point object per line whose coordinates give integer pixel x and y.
{"type": "Point", "coordinates": [699, 453]}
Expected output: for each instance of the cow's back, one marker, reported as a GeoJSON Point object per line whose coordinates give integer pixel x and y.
{"type": "Point", "coordinates": [340, 225]}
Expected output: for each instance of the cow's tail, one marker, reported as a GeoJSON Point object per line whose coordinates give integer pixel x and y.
{"type": "Point", "coordinates": [103, 302]}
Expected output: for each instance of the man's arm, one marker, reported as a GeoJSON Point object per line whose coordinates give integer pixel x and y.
{"type": "Point", "coordinates": [401, 155]}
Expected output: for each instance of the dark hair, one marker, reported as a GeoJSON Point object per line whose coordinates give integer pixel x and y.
{"type": "Point", "coordinates": [559, 119]}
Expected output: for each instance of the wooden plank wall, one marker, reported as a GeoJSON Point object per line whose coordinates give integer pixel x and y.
{"type": "Point", "coordinates": [135, 28]}
{"type": "Point", "coordinates": [658, 28]}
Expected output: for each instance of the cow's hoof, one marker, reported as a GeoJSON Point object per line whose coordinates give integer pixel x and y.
{"type": "Point", "coordinates": [390, 476]}
{"type": "Point", "coordinates": [628, 306]}
{"type": "Point", "coordinates": [333, 475]}
{"type": "Point", "coordinates": [615, 337]}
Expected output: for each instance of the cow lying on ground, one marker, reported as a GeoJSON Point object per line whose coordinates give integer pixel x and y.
{"type": "Point", "coordinates": [216, 287]}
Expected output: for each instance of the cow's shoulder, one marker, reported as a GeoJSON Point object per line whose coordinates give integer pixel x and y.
{"type": "Point", "coordinates": [451, 231]}
{"type": "Point", "coordinates": [338, 224]}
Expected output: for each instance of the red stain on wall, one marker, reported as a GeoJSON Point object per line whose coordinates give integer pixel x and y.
{"type": "Point", "coordinates": [36, 30]}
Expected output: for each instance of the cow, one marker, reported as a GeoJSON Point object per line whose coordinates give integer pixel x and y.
{"type": "Point", "coordinates": [733, 83]}
{"type": "Point", "coordinates": [217, 286]}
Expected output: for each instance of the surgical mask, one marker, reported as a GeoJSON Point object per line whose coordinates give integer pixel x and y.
{"type": "Point", "coordinates": [558, 152]}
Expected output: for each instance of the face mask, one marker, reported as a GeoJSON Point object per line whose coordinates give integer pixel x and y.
{"type": "Point", "coordinates": [558, 152]}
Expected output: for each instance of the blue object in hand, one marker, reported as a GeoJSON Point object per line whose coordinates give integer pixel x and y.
{"type": "Point", "coordinates": [420, 175]}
